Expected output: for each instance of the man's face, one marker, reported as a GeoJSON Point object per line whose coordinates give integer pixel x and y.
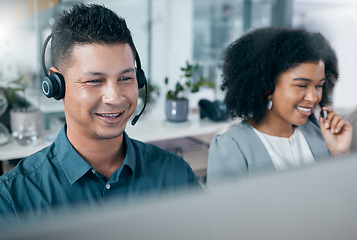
{"type": "Point", "coordinates": [101, 90]}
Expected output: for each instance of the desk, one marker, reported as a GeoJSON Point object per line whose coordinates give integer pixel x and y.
{"type": "Point", "coordinates": [12, 150]}
{"type": "Point", "coordinates": [144, 130]}
{"type": "Point", "coordinates": [158, 130]}
{"type": "Point", "coordinates": [48, 106]}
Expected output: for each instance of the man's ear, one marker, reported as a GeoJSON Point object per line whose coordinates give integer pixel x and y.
{"type": "Point", "coordinates": [52, 70]}
{"type": "Point", "coordinates": [53, 85]}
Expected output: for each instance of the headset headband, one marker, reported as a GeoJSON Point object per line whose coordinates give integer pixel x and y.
{"type": "Point", "coordinates": [43, 52]}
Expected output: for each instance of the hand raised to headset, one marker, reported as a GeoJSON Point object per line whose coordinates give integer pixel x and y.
{"type": "Point", "coordinates": [336, 131]}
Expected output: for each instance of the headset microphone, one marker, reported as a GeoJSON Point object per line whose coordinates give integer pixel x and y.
{"type": "Point", "coordinates": [136, 118]}
{"type": "Point", "coordinates": [141, 78]}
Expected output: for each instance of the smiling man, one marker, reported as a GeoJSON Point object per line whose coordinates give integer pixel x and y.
{"type": "Point", "coordinates": [92, 160]}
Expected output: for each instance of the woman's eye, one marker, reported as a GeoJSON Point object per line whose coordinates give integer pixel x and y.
{"type": "Point", "coordinates": [302, 86]}
{"type": "Point", "coordinates": [320, 86]}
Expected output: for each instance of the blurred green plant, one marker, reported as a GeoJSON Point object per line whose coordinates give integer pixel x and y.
{"type": "Point", "coordinates": [190, 81]}
{"type": "Point", "coordinates": [153, 92]}
{"type": "Point", "coordinates": [15, 86]}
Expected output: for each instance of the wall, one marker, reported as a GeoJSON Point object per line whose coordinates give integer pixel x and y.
{"type": "Point", "coordinates": [18, 48]}
{"type": "Point", "coordinates": [337, 21]}
{"type": "Point", "coordinates": [171, 43]}
{"type": "Point", "coordinates": [172, 40]}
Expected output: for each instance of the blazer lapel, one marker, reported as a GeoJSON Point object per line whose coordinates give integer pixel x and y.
{"type": "Point", "coordinates": [314, 138]}
{"type": "Point", "coordinates": [257, 157]}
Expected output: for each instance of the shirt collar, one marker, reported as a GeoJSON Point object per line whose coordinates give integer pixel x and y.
{"type": "Point", "coordinates": [130, 156]}
{"type": "Point", "coordinates": [75, 166]}
{"type": "Point", "coordinates": [72, 163]}
{"type": "Point", "coordinates": [129, 163]}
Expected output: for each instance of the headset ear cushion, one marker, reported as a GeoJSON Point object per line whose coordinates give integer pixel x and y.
{"type": "Point", "coordinates": [61, 85]}
{"type": "Point", "coordinates": [141, 78]}
{"type": "Point", "coordinates": [48, 87]}
{"type": "Point", "coordinates": [54, 86]}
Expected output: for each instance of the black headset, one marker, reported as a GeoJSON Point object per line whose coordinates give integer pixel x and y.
{"type": "Point", "coordinates": [53, 85]}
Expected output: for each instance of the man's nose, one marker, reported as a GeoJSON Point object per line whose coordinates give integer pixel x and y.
{"type": "Point", "coordinates": [112, 93]}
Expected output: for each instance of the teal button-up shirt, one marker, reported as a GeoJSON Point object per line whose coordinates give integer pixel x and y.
{"type": "Point", "coordinates": [58, 176]}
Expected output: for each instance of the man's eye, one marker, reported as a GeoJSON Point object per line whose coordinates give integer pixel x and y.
{"type": "Point", "coordinates": [302, 86]}
{"type": "Point", "coordinates": [125, 78]}
{"type": "Point", "coordinates": [94, 81]}
{"type": "Point", "coordinates": [320, 86]}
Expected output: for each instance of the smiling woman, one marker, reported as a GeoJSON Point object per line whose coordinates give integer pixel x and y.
{"type": "Point", "coordinates": [275, 78]}
{"type": "Point", "coordinates": [297, 92]}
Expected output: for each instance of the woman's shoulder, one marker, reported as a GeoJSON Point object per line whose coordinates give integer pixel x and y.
{"type": "Point", "coordinates": [239, 130]}
{"type": "Point", "coordinates": [311, 125]}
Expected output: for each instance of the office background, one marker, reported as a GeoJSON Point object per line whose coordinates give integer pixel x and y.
{"type": "Point", "coordinates": [167, 33]}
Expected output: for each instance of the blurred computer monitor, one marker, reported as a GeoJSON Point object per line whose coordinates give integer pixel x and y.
{"type": "Point", "coordinates": [316, 202]}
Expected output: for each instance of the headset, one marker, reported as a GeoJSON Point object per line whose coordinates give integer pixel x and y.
{"type": "Point", "coordinates": [53, 85]}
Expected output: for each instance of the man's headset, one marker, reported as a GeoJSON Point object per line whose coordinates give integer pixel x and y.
{"type": "Point", "coordinates": [53, 85]}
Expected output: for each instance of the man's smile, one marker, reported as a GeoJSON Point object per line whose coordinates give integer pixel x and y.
{"type": "Point", "coordinates": [109, 115]}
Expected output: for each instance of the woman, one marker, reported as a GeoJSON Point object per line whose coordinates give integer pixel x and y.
{"type": "Point", "coordinates": [274, 79]}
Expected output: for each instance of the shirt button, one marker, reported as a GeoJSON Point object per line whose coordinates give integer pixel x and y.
{"type": "Point", "coordinates": [107, 186]}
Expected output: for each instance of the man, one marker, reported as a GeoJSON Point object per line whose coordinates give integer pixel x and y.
{"type": "Point", "coordinates": [92, 159]}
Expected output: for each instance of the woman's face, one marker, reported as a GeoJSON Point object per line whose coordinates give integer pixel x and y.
{"type": "Point", "coordinates": [297, 92]}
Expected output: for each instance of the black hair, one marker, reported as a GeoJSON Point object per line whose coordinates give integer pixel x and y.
{"type": "Point", "coordinates": [86, 24]}
{"type": "Point", "coordinates": [331, 72]}
{"type": "Point", "coordinates": [253, 63]}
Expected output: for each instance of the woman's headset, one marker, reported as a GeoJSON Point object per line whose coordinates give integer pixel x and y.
{"type": "Point", "coordinates": [53, 85]}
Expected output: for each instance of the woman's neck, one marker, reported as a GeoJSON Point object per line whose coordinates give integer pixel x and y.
{"type": "Point", "coordinates": [273, 128]}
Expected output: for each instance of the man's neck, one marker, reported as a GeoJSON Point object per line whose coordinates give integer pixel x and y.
{"type": "Point", "coordinates": [104, 155]}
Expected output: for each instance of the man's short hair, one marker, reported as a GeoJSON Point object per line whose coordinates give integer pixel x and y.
{"type": "Point", "coordinates": [86, 24]}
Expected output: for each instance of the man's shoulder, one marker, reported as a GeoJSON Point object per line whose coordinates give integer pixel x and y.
{"type": "Point", "coordinates": [160, 159]}
{"type": "Point", "coordinates": [169, 168]}
{"type": "Point", "coordinates": [27, 166]}
{"type": "Point", "coordinates": [150, 151]}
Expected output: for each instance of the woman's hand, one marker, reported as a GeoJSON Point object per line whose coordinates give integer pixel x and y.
{"type": "Point", "coordinates": [336, 131]}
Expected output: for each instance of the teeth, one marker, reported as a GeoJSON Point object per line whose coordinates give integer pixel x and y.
{"type": "Point", "coordinates": [304, 109]}
{"type": "Point", "coordinates": [113, 115]}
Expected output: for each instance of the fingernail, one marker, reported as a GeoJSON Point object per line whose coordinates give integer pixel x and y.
{"type": "Point", "coordinates": [326, 125]}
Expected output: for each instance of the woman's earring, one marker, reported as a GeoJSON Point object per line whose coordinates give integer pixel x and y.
{"type": "Point", "coordinates": [270, 103]}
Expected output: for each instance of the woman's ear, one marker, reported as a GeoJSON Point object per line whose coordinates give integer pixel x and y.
{"type": "Point", "coordinates": [271, 88]}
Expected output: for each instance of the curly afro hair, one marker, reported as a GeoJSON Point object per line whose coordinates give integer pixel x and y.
{"type": "Point", "coordinates": [253, 63]}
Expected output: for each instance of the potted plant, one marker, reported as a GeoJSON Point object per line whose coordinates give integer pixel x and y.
{"type": "Point", "coordinates": [190, 81]}
{"type": "Point", "coordinates": [12, 99]}
{"type": "Point", "coordinates": [24, 120]}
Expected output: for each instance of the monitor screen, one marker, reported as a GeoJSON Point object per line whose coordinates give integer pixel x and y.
{"type": "Point", "coordinates": [315, 202]}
